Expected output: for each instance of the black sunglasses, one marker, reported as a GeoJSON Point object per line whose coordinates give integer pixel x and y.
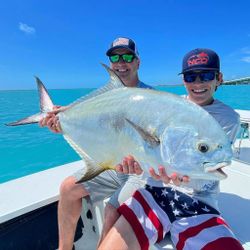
{"type": "Point", "coordinates": [204, 76]}
{"type": "Point", "coordinates": [128, 58]}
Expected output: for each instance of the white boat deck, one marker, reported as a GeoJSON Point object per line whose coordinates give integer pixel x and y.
{"type": "Point", "coordinates": [28, 193]}
{"type": "Point", "coordinates": [234, 200]}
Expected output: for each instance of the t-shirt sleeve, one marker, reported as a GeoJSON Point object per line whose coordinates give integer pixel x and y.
{"type": "Point", "coordinates": [232, 131]}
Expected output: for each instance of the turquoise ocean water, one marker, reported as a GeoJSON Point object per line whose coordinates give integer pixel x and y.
{"type": "Point", "coordinates": [28, 149]}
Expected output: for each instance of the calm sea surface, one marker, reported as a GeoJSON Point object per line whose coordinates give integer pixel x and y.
{"type": "Point", "coordinates": [28, 149]}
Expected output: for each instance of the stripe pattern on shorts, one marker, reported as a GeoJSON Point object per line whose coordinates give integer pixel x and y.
{"type": "Point", "coordinates": [200, 230]}
{"type": "Point", "coordinates": [144, 220]}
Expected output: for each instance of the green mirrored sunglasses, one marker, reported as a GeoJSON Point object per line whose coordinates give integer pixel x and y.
{"type": "Point", "coordinates": [128, 58]}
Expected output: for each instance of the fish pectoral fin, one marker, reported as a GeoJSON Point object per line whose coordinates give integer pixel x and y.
{"type": "Point", "coordinates": [92, 170]}
{"type": "Point", "coordinates": [148, 137]}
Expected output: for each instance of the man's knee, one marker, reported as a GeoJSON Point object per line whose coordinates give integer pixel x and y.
{"type": "Point", "coordinates": [110, 214]}
{"type": "Point", "coordinates": [110, 217]}
{"type": "Point", "coordinates": [71, 190]}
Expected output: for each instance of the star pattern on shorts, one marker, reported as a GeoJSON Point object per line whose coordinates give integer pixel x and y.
{"type": "Point", "coordinates": [177, 204]}
{"type": "Point", "coordinates": [162, 204]}
{"type": "Point", "coordinates": [171, 203]}
{"type": "Point", "coordinates": [185, 206]}
{"type": "Point", "coordinates": [176, 196]}
{"type": "Point", "coordinates": [176, 212]}
{"type": "Point", "coordinates": [164, 192]}
{"type": "Point", "coordinates": [205, 209]}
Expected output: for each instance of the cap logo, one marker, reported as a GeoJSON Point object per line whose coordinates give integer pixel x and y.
{"type": "Point", "coordinates": [198, 59]}
{"type": "Point", "coordinates": [121, 41]}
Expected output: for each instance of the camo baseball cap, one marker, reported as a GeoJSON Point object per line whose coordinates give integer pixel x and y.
{"type": "Point", "coordinates": [123, 42]}
{"type": "Point", "coordinates": [200, 59]}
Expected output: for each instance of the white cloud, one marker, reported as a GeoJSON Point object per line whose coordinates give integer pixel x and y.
{"type": "Point", "coordinates": [245, 50]}
{"type": "Point", "coordinates": [26, 29]}
{"type": "Point", "coordinates": [246, 59]}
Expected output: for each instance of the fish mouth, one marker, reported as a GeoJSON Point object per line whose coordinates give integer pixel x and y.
{"type": "Point", "coordinates": [217, 168]}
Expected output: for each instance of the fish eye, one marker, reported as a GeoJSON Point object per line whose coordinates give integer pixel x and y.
{"type": "Point", "coordinates": [202, 147]}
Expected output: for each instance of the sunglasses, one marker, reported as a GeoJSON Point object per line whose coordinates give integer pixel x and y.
{"type": "Point", "coordinates": [127, 58]}
{"type": "Point", "coordinates": [204, 76]}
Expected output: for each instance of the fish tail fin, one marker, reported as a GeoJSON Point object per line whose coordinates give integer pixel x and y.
{"type": "Point", "coordinates": [27, 120]}
{"type": "Point", "coordinates": [46, 105]}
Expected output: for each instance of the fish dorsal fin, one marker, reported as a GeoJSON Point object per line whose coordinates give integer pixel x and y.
{"type": "Point", "coordinates": [114, 83]}
{"type": "Point", "coordinates": [148, 137]}
{"type": "Point", "coordinates": [46, 103]}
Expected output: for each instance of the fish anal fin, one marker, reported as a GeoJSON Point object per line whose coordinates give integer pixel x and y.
{"type": "Point", "coordinates": [108, 165]}
{"type": "Point", "coordinates": [150, 138]}
{"type": "Point", "coordinates": [92, 170]}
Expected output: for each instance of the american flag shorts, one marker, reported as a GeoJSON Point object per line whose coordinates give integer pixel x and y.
{"type": "Point", "coordinates": [153, 212]}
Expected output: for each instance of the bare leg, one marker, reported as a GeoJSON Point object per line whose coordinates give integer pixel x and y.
{"type": "Point", "coordinates": [120, 237]}
{"type": "Point", "coordinates": [69, 211]}
{"type": "Point", "coordinates": [110, 217]}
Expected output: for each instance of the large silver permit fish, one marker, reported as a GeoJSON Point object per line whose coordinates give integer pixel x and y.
{"type": "Point", "coordinates": [155, 127]}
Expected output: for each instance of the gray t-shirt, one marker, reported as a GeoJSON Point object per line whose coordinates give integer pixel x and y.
{"type": "Point", "coordinates": [226, 117]}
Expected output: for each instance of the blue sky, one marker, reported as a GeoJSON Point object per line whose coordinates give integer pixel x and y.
{"type": "Point", "coordinates": [63, 42]}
